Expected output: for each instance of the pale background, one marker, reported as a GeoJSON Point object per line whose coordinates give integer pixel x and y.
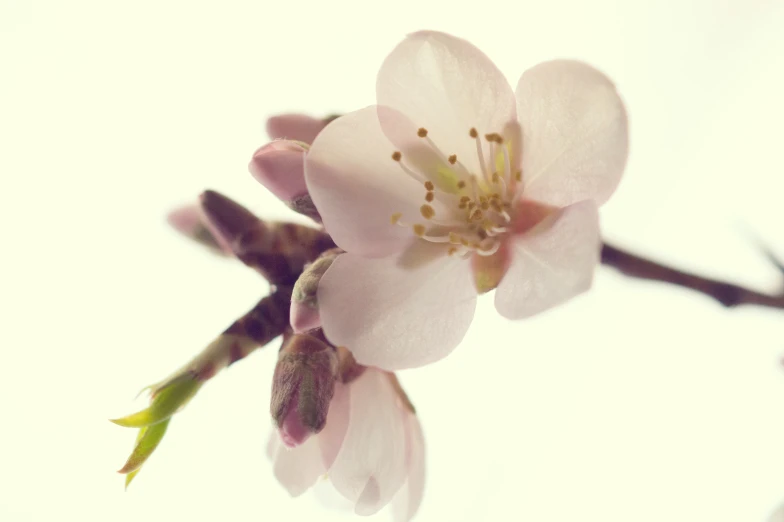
{"type": "Point", "coordinates": [638, 402]}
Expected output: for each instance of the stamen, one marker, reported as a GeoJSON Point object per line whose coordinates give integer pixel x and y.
{"type": "Point", "coordinates": [395, 218]}
{"type": "Point", "coordinates": [429, 197]}
{"type": "Point", "coordinates": [494, 137]}
{"type": "Point", "coordinates": [489, 252]}
{"type": "Point", "coordinates": [429, 185]}
{"type": "Point", "coordinates": [397, 155]}
{"type": "Point", "coordinates": [461, 184]}
{"type": "Point", "coordinates": [422, 132]}
{"type": "Point", "coordinates": [452, 159]}
{"type": "Point", "coordinates": [473, 133]}
{"type": "Point", "coordinates": [427, 211]}
{"type": "Point", "coordinates": [419, 230]}
{"type": "Point", "coordinates": [480, 154]}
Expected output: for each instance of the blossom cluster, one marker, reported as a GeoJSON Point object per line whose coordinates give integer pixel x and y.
{"type": "Point", "coordinates": [453, 185]}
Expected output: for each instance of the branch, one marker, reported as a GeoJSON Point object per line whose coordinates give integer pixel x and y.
{"type": "Point", "coordinates": [727, 294]}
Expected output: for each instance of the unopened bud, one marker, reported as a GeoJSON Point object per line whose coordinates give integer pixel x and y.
{"type": "Point", "coordinates": [302, 388]}
{"type": "Point", "coordinates": [226, 219]}
{"type": "Point", "coordinates": [298, 127]}
{"type": "Point", "coordinates": [189, 221]}
{"type": "Point", "coordinates": [280, 166]}
{"type": "Point", "coordinates": [304, 313]}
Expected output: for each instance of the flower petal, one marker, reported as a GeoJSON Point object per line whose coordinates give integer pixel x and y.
{"type": "Point", "coordinates": [409, 497]}
{"type": "Point", "coordinates": [551, 263]}
{"type": "Point", "coordinates": [357, 186]}
{"type": "Point", "coordinates": [575, 136]}
{"type": "Point", "coordinates": [371, 464]}
{"type": "Point", "coordinates": [334, 432]}
{"type": "Point", "coordinates": [298, 469]}
{"type": "Point", "coordinates": [300, 127]}
{"type": "Point", "coordinates": [395, 317]}
{"type": "Point", "coordinates": [447, 86]}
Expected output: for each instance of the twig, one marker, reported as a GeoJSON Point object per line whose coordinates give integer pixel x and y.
{"type": "Point", "coordinates": [727, 294]}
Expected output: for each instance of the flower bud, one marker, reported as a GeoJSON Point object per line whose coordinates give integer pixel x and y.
{"type": "Point", "coordinates": [304, 313]}
{"type": "Point", "coordinates": [226, 219]}
{"type": "Point", "coordinates": [302, 388]}
{"type": "Point", "coordinates": [280, 166]}
{"type": "Point", "coordinates": [298, 127]}
{"type": "Point", "coordinates": [189, 221]}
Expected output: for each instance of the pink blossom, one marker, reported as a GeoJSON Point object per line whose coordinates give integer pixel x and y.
{"type": "Point", "coordinates": [279, 166]}
{"type": "Point", "coordinates": [454, 185]}
{"type": "Point", "coordinates": [300, 127]}
{"type": "Point", "coordinates": [371, 448]}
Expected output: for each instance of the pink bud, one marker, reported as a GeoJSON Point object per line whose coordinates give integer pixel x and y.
{"type": "Point", "coordinates": [302, 388]}
{"type": "Point", "coordinates": [225, 218]}
{"type": "Point", "coordinates": [280, 166]}
{"type": "Point", "coordinates": [298, 127]}
{"type": "Point", "coordinates": [304, 313]}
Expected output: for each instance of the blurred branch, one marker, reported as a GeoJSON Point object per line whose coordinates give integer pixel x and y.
{"type": "Point", "coordinates": [727, 294]}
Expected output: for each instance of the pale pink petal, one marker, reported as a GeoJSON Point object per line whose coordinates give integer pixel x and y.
{"type": "Point", "coordinates": [408, 499]}
{"type": "Point", "coordinates": [551, 263]}
{"type": "Point", "coordinates": [293, 431]}
{"type": "Point", "coordinates": [331, 438]}
{"type": "Point", "coordinates": [575, 139]}
{"type": "Point", "coordinates": [447, 86]}
{"type": "Point", "coordinates": [185, 220]}
{"type": "Point", "coordinates": [298, 469]}
{"type": "Point", "coordinates": [395, 317]}
{"type": "Point", "coordinates": [303, 317]}
{"type": "Point", "coordinates": [294, 127]}
{"type": "Point", "coordinates": [357, 186]}
{"type": "Point", "coordinates": [280, 166]}
{"type": "Point", "coordinates": [371, 464]}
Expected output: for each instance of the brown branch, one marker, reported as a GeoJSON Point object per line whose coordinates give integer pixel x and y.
{"type": "Point", "coordinates": [727, 294]}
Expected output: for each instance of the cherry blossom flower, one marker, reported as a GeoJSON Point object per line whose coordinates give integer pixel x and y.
{"type": "Point", "coordinates": [454, 185]}
{"type": "Point", "coordinates": [371, 449]}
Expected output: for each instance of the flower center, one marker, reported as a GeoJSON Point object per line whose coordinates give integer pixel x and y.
{"type": "Point", "coordinates": [475, 206]}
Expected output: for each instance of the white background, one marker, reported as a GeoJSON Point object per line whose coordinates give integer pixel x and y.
{"type": "Point", "coordinates": [637, 402]}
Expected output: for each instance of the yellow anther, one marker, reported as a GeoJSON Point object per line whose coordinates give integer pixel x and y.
{"type": "Point", "coordinates": [476, 215]}
{"type": "Point", "coordinates": [465, 199]}
{"type": "Point", "coordinates": [461, 184]}
{"type": "Point", "coordinates": [454, 238]}
{"type": "Point", "coordinates": [429, 196]}
{"type": "Point", "coordinates": [395, 218]}
{"type": "Point", "coordinates": [396, 155]}
{"type": "Point", "coordinates": [452, 159]}
{"type": "Point", "coordinates": [419, 230]}
{"type": "Point", "coordinates": [494, 137]}
{"type": "Point", "coordinates": [452, 251]}
{"type": "Point", "coordinates": [422, 132]}
{"type": "Point", "coordinates": [427, 211]}
{"type": "Point", "coordinates": [429, 185]}
{"type": "Point", "coordinates": [473, 133]}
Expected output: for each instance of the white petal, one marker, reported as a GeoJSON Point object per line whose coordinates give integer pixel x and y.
{"type": "Point", "coordinates": [408, 499]}
{"type": "Point", "coordinates": [575, 139]}
{"type": "Point", "coordinates": [371, 464]}
{"type": "Point", "coordinates": [551, 263]}
{"type": "Point", "coordinates": [357, 186]}
{"type": "Point", "coordinates": [331, 437]}
{"type": "Point", "coordinates": [298, 469]}
{"type": "Point", "coordinates": [447, 86]}
{"type": "Point", "coordinates": [395, 317]}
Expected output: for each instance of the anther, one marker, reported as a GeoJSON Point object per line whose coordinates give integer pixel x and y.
{"type": "Point", "coordinates": [453, 159]}
{"type": "Point", "coordinates": [461, 184]}
{"type": "Point", "coordinates": [454, 238]}
{"type": "Point", "coordinates": [519, 175]}
{"type": "Point", "coordinates": [427, 211]}
{"type": "Point", "coordinates": [494, 137]}
{"type": "Point", "coordinates": [476, 215]}
{"type": "Point", "coordinates": [422, 132]}
{"type": "Point", "coordinates": [395, 218]}
{"type": "Point", "coordinates": [429, 185]}
{"type": "Point", "coordinates": [396, 155]}
{"type": "Point", "coordinates": [452, 251]}
{"type": "Point", "coordinates": [495, 177]}
{"type": "Point", "coordinates": [473, 133]}
{"type": "Point", "coordinates": [465, 199]}
{"type": "Point", "coordinates": [419, 230]}
{"type": "Point", "coordinates": [429, 197]}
